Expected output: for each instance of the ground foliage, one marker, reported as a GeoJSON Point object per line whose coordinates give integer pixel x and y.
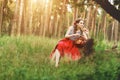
{"type": "Point", "coordinates": [27, 58]}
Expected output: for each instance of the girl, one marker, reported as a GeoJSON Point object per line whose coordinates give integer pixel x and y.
{"type": "Point", "coordinates": [67, 46]}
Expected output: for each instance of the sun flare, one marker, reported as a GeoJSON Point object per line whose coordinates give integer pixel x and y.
{"type": "Point", "coordinates": [34, 1]}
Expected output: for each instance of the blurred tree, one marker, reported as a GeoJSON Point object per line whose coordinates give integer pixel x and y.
{"type": "Point", "coordinates": [15, 19]}
{"type": "Point", "coordinates": [20, 18]}
{"type": "Point", "coordinates": [6, 14]}
{"type": "Point", "coordinates": [1, 14]}
{"type": "Point", "coordinates": [109, 8]}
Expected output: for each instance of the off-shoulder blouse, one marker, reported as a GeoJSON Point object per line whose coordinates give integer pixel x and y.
{"type": "Point", "coordinates": [70, 31]}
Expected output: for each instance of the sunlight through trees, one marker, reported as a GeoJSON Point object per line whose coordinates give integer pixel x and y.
{"type": "Point", "coordinates": [51, 18]}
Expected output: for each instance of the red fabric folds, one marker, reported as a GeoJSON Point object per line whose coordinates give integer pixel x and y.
{"type": "Point", "coordinates": [67, 47]}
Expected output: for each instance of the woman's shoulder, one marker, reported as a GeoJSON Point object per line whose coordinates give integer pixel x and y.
{"type": "Point", "coordinates": [71, 27]}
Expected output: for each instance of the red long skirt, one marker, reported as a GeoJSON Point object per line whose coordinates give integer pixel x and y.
{"type": "Point", "coordinates": [67, 47]}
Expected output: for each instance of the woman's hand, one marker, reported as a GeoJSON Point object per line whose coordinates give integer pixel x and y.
{"type": "Point", "coordinates": [75, 35]}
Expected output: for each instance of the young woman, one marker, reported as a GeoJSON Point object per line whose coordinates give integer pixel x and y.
{"type": "Point", "coordinates": [67, 46]}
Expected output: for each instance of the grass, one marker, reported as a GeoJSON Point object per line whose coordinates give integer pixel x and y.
{"type": "Point", "coordinates": [27, 58]}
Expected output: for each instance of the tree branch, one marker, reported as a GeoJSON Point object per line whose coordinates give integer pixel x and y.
{"type": "Point", "coordinates": [110, 9]}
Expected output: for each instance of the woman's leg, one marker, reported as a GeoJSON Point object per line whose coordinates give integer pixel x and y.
{"type": "Point", "coordinates": [53, 56]}
{"type": "Point", "coordinates": [57, 56]}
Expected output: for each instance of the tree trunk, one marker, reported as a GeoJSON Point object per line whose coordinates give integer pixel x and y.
{"type": "Point", "coordinates": [15, 19]}
{"type": "Point", "coordinates": [119, 31]}
{"type": "Point", "coordinates": [105, 4]}
{"type": "Point", "coordinates": [98, 29]}
{"type": "Point", "coordinates": [56, 25]}
{"type": "Point", "coordinates": [44, 16]}
{"type": "Point", "coordinates": [41, 25]}
{"type": "Point", "coordinates": [20, 18]}
{"type": "Point", "coordinates": [103, 24]}
{"type": "Point", "coordinates": [93, 30]}
{"type": "Point", "coordinates": [47, 18]}
{"type": "Point", "coordinates": [1, 15]}
{"type": "Point", "coordinates": [75, 14]}
{"type": "Point", "coordinates": [112, 33]}
{"type": "Point", "coordinates": [61, 21]}
{"type": "Point", "coordinates": [89, 18]}
{"type": "Point", "coordinates": [30, 18]}
{"type": "Point", "coordinates": [24, 18]}
{"type": "Point", "coordinates": [50, 19]}
{"type": "Point", "coordinates": [116, 31]}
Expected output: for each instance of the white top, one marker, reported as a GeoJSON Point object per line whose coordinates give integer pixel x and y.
{"type": "Point", "coordinates": [71, 31]}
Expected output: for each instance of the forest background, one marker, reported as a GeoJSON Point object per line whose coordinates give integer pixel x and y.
{"type": "Point", "coordinates": [51, 18]}
{"type": "Point", "coordinates": [29, 30]}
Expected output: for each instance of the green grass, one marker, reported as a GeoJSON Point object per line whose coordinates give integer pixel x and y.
{"type": "Point", "coordinates": [27, 58]}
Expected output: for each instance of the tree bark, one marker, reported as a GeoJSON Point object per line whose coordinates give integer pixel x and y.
{"type": "Point", "coordinates": [119, 31]}
{"type": "Point", "coordinates": [103, 24]}
{"type": "Point", "coordinates": [15, 19]}
{"type": "Point", "coordinates": [116, 31]}
{"type": "Point", "coordinates": [30, 18]}
{"type": "Point", "coordinates": [24, 19]}
{"type": "Point", "coordinates": [20, 17]}
{"type": "Point", "coordinates": [1, 15]}
{"type": "Point", "coordinates": [112, 33]}
{"type": "Point", "coordinates": [93, 30]}
{"type": "Point", "coordinates": [89, 18]}
{"type": "Point", "coordinates": [109, 8]}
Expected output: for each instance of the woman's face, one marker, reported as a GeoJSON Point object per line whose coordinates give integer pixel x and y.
{"type": "Point", "coordinates": [81, 24]}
